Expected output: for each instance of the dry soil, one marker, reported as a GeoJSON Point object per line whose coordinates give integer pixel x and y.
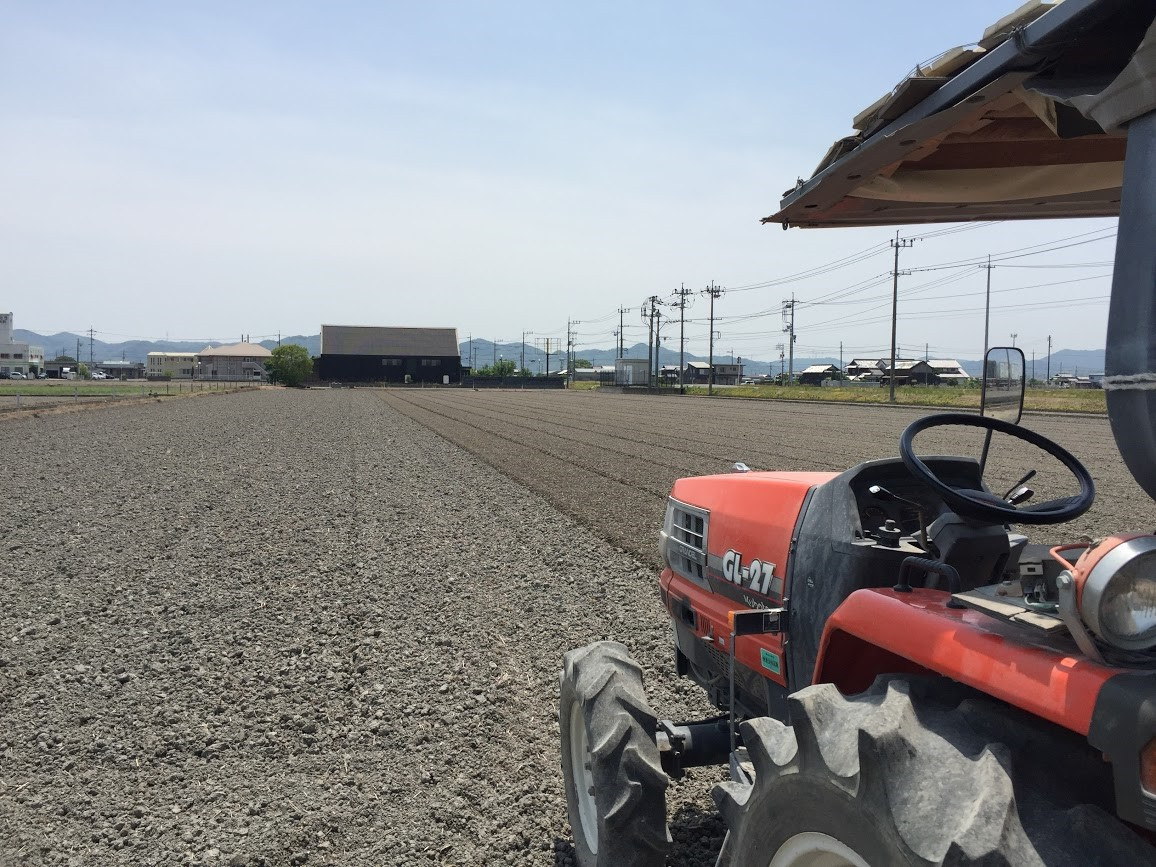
{"type": "Point", "coordinates": [325, 626]}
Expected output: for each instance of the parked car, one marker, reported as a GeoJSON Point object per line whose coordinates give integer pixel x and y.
{"type": "Point", "coordinates": [5, 375]}
{"type": "Point", "coordinates": [42, 375]}
{"type": "Point", "coordinates": [16, 374]}
{"type": "Point", "coordinates": [98, 375]}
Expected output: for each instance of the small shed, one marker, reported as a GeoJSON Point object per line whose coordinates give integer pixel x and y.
{"type": "Point", "coordinates": [632, 371]}
{"type": "Point", "coordinates": [816, 373]}
{"type": "Point", "coordinates": [697, 373]}
{"type": "Point", "coordinates": [122, 369]}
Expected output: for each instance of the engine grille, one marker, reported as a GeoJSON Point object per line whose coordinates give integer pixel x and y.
{"type": "Point", "coordinates": [688, 528]}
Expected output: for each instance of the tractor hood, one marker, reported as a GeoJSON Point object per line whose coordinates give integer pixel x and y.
{"type": "Point", "coordinates": [1051, 114]}
{"type": "Point", "coordinates": [1028, 122]}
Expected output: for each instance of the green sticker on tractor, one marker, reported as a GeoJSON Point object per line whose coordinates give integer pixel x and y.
{"type": "Point", "coordinates": [770, 661]}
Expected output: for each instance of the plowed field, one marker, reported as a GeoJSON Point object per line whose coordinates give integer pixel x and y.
{"type": "Point", "coordinates": [325, 627]}
{"type": "Point", "coordinates": [609, 459]}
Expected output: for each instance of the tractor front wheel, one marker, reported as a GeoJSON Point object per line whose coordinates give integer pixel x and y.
{"type": "Point", "coordinates": [615, 785]}
{"type": "Point", "coordinates": [907, 774]}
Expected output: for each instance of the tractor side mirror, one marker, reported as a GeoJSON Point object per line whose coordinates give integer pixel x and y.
{"type": "Point", "coordinates": [1003, 384]}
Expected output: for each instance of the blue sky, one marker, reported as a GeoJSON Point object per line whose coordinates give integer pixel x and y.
{"type": "Point", "coordinates": [212, 169]}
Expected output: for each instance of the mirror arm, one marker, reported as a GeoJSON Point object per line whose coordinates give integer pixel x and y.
{"type": "Point", "coordinates": [983, 454]}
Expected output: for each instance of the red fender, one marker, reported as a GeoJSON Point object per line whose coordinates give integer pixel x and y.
{"type": "Point", "coordinates": [879, 631]}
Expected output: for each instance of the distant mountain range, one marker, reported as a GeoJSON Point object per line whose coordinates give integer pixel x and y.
{"type": "Point", "coordinates": [66, 343]}
{"type": "Point", "coordinates": [1079, 361]}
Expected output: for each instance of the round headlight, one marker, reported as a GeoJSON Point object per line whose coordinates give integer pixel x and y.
{"type": "Point", "coordinates": [1118, 601]}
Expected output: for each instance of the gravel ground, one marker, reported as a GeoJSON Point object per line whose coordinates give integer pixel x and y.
{"type": "Point", "coordinates": [298, 627]}
{"type": "Point", "coordinates": [294, 627]}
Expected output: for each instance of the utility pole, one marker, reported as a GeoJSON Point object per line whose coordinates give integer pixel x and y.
{"type": "Point", "coordinates": [926, 357]}
{"type": "Point", "coordinates": [789, 327]}
{"type": "Point", "coordinates": [621, 346]}
{"type": "Point", "coordinates": [1014, 336]}
{"type": "Point", "coordinates": [90, 359]}
{"type": "Point", "coordinates": [714, 292]}
{"type": "Point", "coordinates": [898, 245]}
{"type": "Point", "coordinates": [1033, 365]}
{"type": "Point", "coordinates": [780, 347]}
{"type": "Point", "coordinates": [1049, 379]}
{"type": "Point", "coordinates": [657, 347]}
{"type": "Point", "coordinates": [649, 316]}
{"type": "Point", "coordinates": [278, 339]}
{"type": "Point", "coordinates": [987, 308]}
{"type": "Point", "coordinates": [495, 361]}
{"type": "Point", "coordinates": [682, 296]}
{"type": "Point", "coordinates": [570, 348]}
{"type": "Point", "coordinates": [840, 359]}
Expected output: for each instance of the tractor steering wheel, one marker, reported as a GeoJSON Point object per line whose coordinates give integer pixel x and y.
{"type": "Point", "coordinates": [987, 507]}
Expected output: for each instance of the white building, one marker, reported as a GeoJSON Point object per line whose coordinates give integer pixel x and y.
{"type": "Point", "coordinates": [16, 356]}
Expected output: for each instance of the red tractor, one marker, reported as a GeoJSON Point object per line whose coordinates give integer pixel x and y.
{"type": "Point", "coordinates": [903, 678]}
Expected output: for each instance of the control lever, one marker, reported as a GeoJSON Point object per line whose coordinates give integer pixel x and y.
{"type": "Point", "coordinates": [881, 493]}
{"type": "Point", "coordinates": [1020, 495]}
{"type": "Point", "coordinates": [1015, 489]}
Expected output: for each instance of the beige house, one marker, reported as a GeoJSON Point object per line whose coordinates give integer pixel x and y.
{"type": "Point", "coordinates": [170, 365]}
{"type": "Point", "coordinates": [236, 362]}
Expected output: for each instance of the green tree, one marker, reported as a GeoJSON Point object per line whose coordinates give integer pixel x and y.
{"type": "Point", "coordinates": [290, 364]}
{"type": "Point", "coordinates": [582, 363]}
{"type": "Point", "coordinates": [83, 370]}
{"type": "Point", "coordinates": [503, 367]}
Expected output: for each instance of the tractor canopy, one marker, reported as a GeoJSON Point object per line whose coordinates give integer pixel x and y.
{"type": "Point", "coordinates": [1028, 122]}
{"type": "Point", "coordinates": [1051, 114]}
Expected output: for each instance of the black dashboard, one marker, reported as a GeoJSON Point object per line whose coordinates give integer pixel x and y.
{"type": "Point", "coordinates": [874, 510]}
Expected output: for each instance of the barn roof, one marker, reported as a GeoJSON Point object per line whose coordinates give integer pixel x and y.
{"type": "Point", "coordinates": [377, 340]}
{"type": "Point", "coordinates": [820, 368]}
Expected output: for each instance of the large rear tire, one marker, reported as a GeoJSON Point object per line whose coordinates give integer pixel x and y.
{"type": "Point", "coordinates": [906, 774]}
{"type": "Point", "coordinates": [615, 785]}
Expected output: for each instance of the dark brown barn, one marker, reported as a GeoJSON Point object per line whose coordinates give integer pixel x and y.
{"type": "Point", "coordinates": [362, 353]}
